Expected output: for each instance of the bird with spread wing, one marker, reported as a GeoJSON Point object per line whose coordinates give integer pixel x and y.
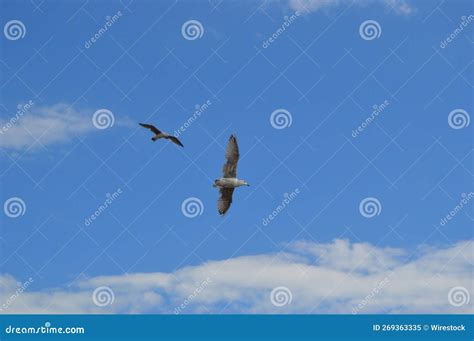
{"type": "Point", "coordinates": [229, 181]}
{"type": "Point", "coordinates": [161, 135]}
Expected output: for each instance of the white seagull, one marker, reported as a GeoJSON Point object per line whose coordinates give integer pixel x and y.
{"type": "Point", "coordinates": [160, 135]}
{"type": "Point", "coordinates": [229, 181]}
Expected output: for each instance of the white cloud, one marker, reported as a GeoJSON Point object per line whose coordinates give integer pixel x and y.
{"type": "Point", "coordinates": [339, 277]}
{"type": "Point", "coordinates": [307, 6]}
{"type": "Point", "coordinates": [49, 125]}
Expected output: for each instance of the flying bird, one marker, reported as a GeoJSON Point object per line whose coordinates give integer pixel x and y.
{"type": "Point", "coordinates": [229, 181]}
{"type": "Point", "coordinates": [160, 135]}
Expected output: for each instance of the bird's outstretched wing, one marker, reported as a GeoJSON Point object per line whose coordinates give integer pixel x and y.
{"type": "Point", "coordinates": [175, 140]}
{"type": "Point", "coordinates": [232, 157]}
{"type": "Point", "coordinates": [223, 204]}
{"type": "Point", "coordinates": [151, 127]}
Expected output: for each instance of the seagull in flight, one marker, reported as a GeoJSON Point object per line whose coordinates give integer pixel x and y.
{"type": "Point", "coordinates": [160, 134]}
{"type": "Point", "coordinates": [229, 181]}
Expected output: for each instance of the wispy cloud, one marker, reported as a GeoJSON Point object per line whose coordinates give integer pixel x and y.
{"type": "Point", "coordinates": [306, 6]}
{"type": "Point", "coordinates": [338, 277]}
{"type": "Point", "coordinates": [45, 125]}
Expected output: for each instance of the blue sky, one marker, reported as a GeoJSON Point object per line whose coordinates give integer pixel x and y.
{"type": "Point", "coordinates": [320, 69]}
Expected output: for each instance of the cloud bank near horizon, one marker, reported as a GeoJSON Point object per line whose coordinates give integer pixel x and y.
{"type": "Point", "coordinates": [336, 277]}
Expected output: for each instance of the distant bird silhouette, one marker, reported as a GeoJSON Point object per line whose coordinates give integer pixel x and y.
{"type": "Point", "coordinates": [229, 181]}
{"type": "Point", "coordinates": [160, 135]}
